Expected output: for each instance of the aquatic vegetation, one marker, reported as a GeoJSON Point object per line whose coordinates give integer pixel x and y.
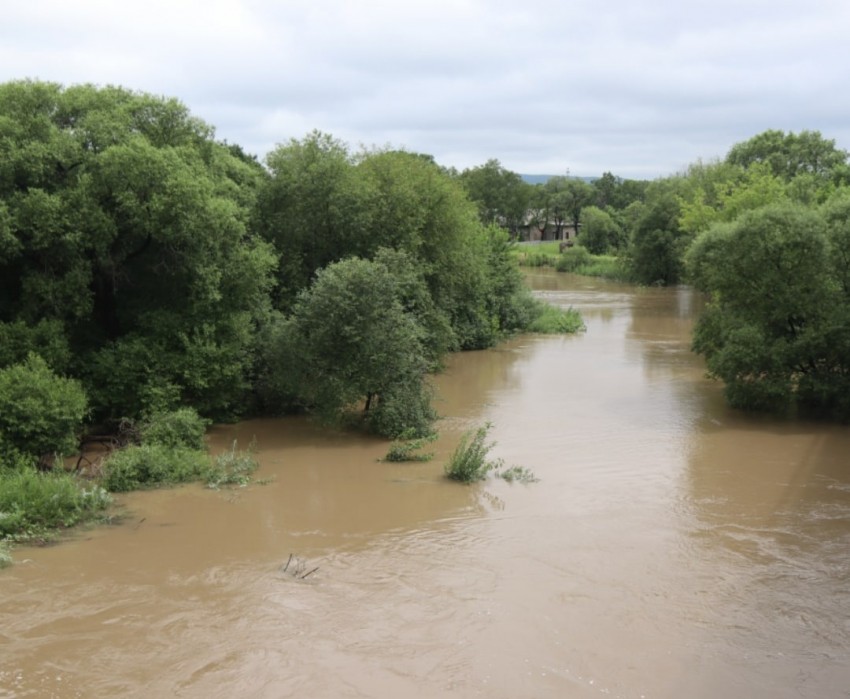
{"type": "Point", "coordinates": [469, 463]}
{"type": "Point", "coordinates": [518, 474]}
{"type": "Point", "coordinates": [405, 447]}
{"type": "Point", "coordinates": [232, 467]}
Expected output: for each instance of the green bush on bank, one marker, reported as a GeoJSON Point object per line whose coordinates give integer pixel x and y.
{"type": "Point", "coordinates": [177, 428]}
{"type": "Point", "coordinates": [32, 504]}
{"type": "Point", "coordinates": [40, 413]}
{"type": "Point", "coordinates": [153, 465]}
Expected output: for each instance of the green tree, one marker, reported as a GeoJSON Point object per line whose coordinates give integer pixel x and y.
{"type": "Point", "coordinates": [313, 209]}
{"type": "Point", "coordinates": [791, 154]}
{"type": "Point", "coordinates": [124, 226]}
{"type": "Point", "coordinates": [40, 413]}
{"type": "Point", "coordinates": [777, 332]}
{"type": "Point", "coordinates": [658, 243]}
{"type": "Point", "coordinates": [502, 196]}
{"type": "Point", "coordinates": [599, 231]}
{"type": "Point", "coordinates": [350, 343]}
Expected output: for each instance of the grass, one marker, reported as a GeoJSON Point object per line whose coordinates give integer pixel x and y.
{"type": "Point", "coordinates": [35, 504]}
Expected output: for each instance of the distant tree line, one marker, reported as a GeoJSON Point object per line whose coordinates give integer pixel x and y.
{"type": "Point", "coordinates": [765, 232]}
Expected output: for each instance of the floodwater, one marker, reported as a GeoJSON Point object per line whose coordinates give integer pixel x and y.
{"type": "Point", "coordinates": [671, 548]}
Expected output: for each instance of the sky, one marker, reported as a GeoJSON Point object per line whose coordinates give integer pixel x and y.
{"type": "Point", "coordinates": [637, 88]}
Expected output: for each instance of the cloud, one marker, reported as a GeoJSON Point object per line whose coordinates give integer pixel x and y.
{"type": "Point", "coordinates": [640, 89]}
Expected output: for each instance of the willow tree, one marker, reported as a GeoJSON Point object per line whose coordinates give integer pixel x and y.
{"type": "Point", "coordinates": [124, 226]}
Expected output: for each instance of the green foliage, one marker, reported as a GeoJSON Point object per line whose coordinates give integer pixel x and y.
{"type": "Point", "coordinates": [502, 196]}
{"type": "Point", "coordinates": [405, 447]}
{"type": "Point", "coordinates": [553, 320]}
{"type": "Point", "coordinates": [517, 474]}
{"type": "Point", "coordinates": [32, 504]}
{"type": "Point", "coordinates": [600, 233]}
{"type": "Point", "coordinates": [178, 428]}
{"type": "Point", "coordinates": [45, 338]}
{"type": "Point", "coordinates": [658, 243]}
{"type": "Point", "coordinates": [469, 463]}
{"type": "Point", "coordinates": [40, 413]}
{"type": "Point", "coordinates": [573, 258]}
{"type": "Point", "coordinates": [124, 231]}
{"type": "Point", "coordinates": [232, 467]}
{"type": "Point", "coordinates": [152, 466]}
{"type": "Point", "coordinates": [791, 155]}
{"type": "Point", "coordinates": [778, 330]}
{"type": "Point", "coordinates": [5, 555]}
{"type": "Point", "coordinates": [350, 342]}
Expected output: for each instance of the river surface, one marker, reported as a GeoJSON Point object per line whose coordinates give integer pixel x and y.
{"type": "Point", "coordinates": [671, 548]}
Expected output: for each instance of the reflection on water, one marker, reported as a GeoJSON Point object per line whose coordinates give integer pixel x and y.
{"type": "Point", "coordinates": [672, 548]}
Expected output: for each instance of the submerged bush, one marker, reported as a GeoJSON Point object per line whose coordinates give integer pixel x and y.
{"type": "Point", "coordinates": [153, 465]}
{"type": "Point", "coordinates": [518, 473]}
{"type": "Point", "coordinates": [34, 503]}
{"type": "Point", "coordinates": [405, 448]}
{"type": "Point", "coordinates": [232, 468]}
{"type": "Point", "coordinates": [469, 462]}
{"type": "Point", "coordinates": [553, 320]}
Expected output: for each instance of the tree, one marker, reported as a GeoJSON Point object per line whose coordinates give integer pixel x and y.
{"type": "Point", "coordinates": [502, 196]}
{"type": "Point", "coordinates": [658, 243]}
{"type": "Point", "coordinates": [124, 226]}
{"type": "Point", "coordinates": [313, 210]}
{"type": "Point", "coordinates": [777, 331]}
{"type": "Point", "coordinates": [599, 232]}
{"type": "Point", "coordinates": [789, 155]}
{"type": "Point", "coordinates": [349, 342]}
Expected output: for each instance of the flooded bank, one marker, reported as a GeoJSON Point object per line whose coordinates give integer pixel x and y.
{"type": "Point", "coordinates": [672, 548]}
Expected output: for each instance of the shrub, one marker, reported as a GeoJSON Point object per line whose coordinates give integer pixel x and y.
{"type": "Point", "coordinates": [153, 465]}
{"type": "Point", "coordinates": [177, 428]}
{"type": "Point", "coordinates": [572, 258]}
{"type": "Point", "coordinates": [553, 320]}
{"type": "Point", "coordinates": [40, 412]}
{"type": "Point", "coordinates": [232, 468]}
{"type": "Point", "coordinates": [404, 448]}
{"type": "Point", "coordinates": [33, 503]}
{"type": "Point", "coordinates": [469, 462]}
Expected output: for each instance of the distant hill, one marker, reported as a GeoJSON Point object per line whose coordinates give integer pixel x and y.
{"type": "Point", "coordinates": [542, 179]}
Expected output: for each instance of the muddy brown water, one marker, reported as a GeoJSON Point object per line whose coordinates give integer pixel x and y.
{"type": "Point", "coordinates": [672, 548]}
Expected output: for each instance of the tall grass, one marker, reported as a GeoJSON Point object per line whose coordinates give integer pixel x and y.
{"type": "Point", "coordinates": [32, 504]}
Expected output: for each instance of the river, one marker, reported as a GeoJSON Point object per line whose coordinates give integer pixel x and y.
{"type": "Point", "coordinates": [671, 548]}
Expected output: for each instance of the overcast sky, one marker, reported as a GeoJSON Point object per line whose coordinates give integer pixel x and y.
{"type": "Point", "coordinates": [640, 89]}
